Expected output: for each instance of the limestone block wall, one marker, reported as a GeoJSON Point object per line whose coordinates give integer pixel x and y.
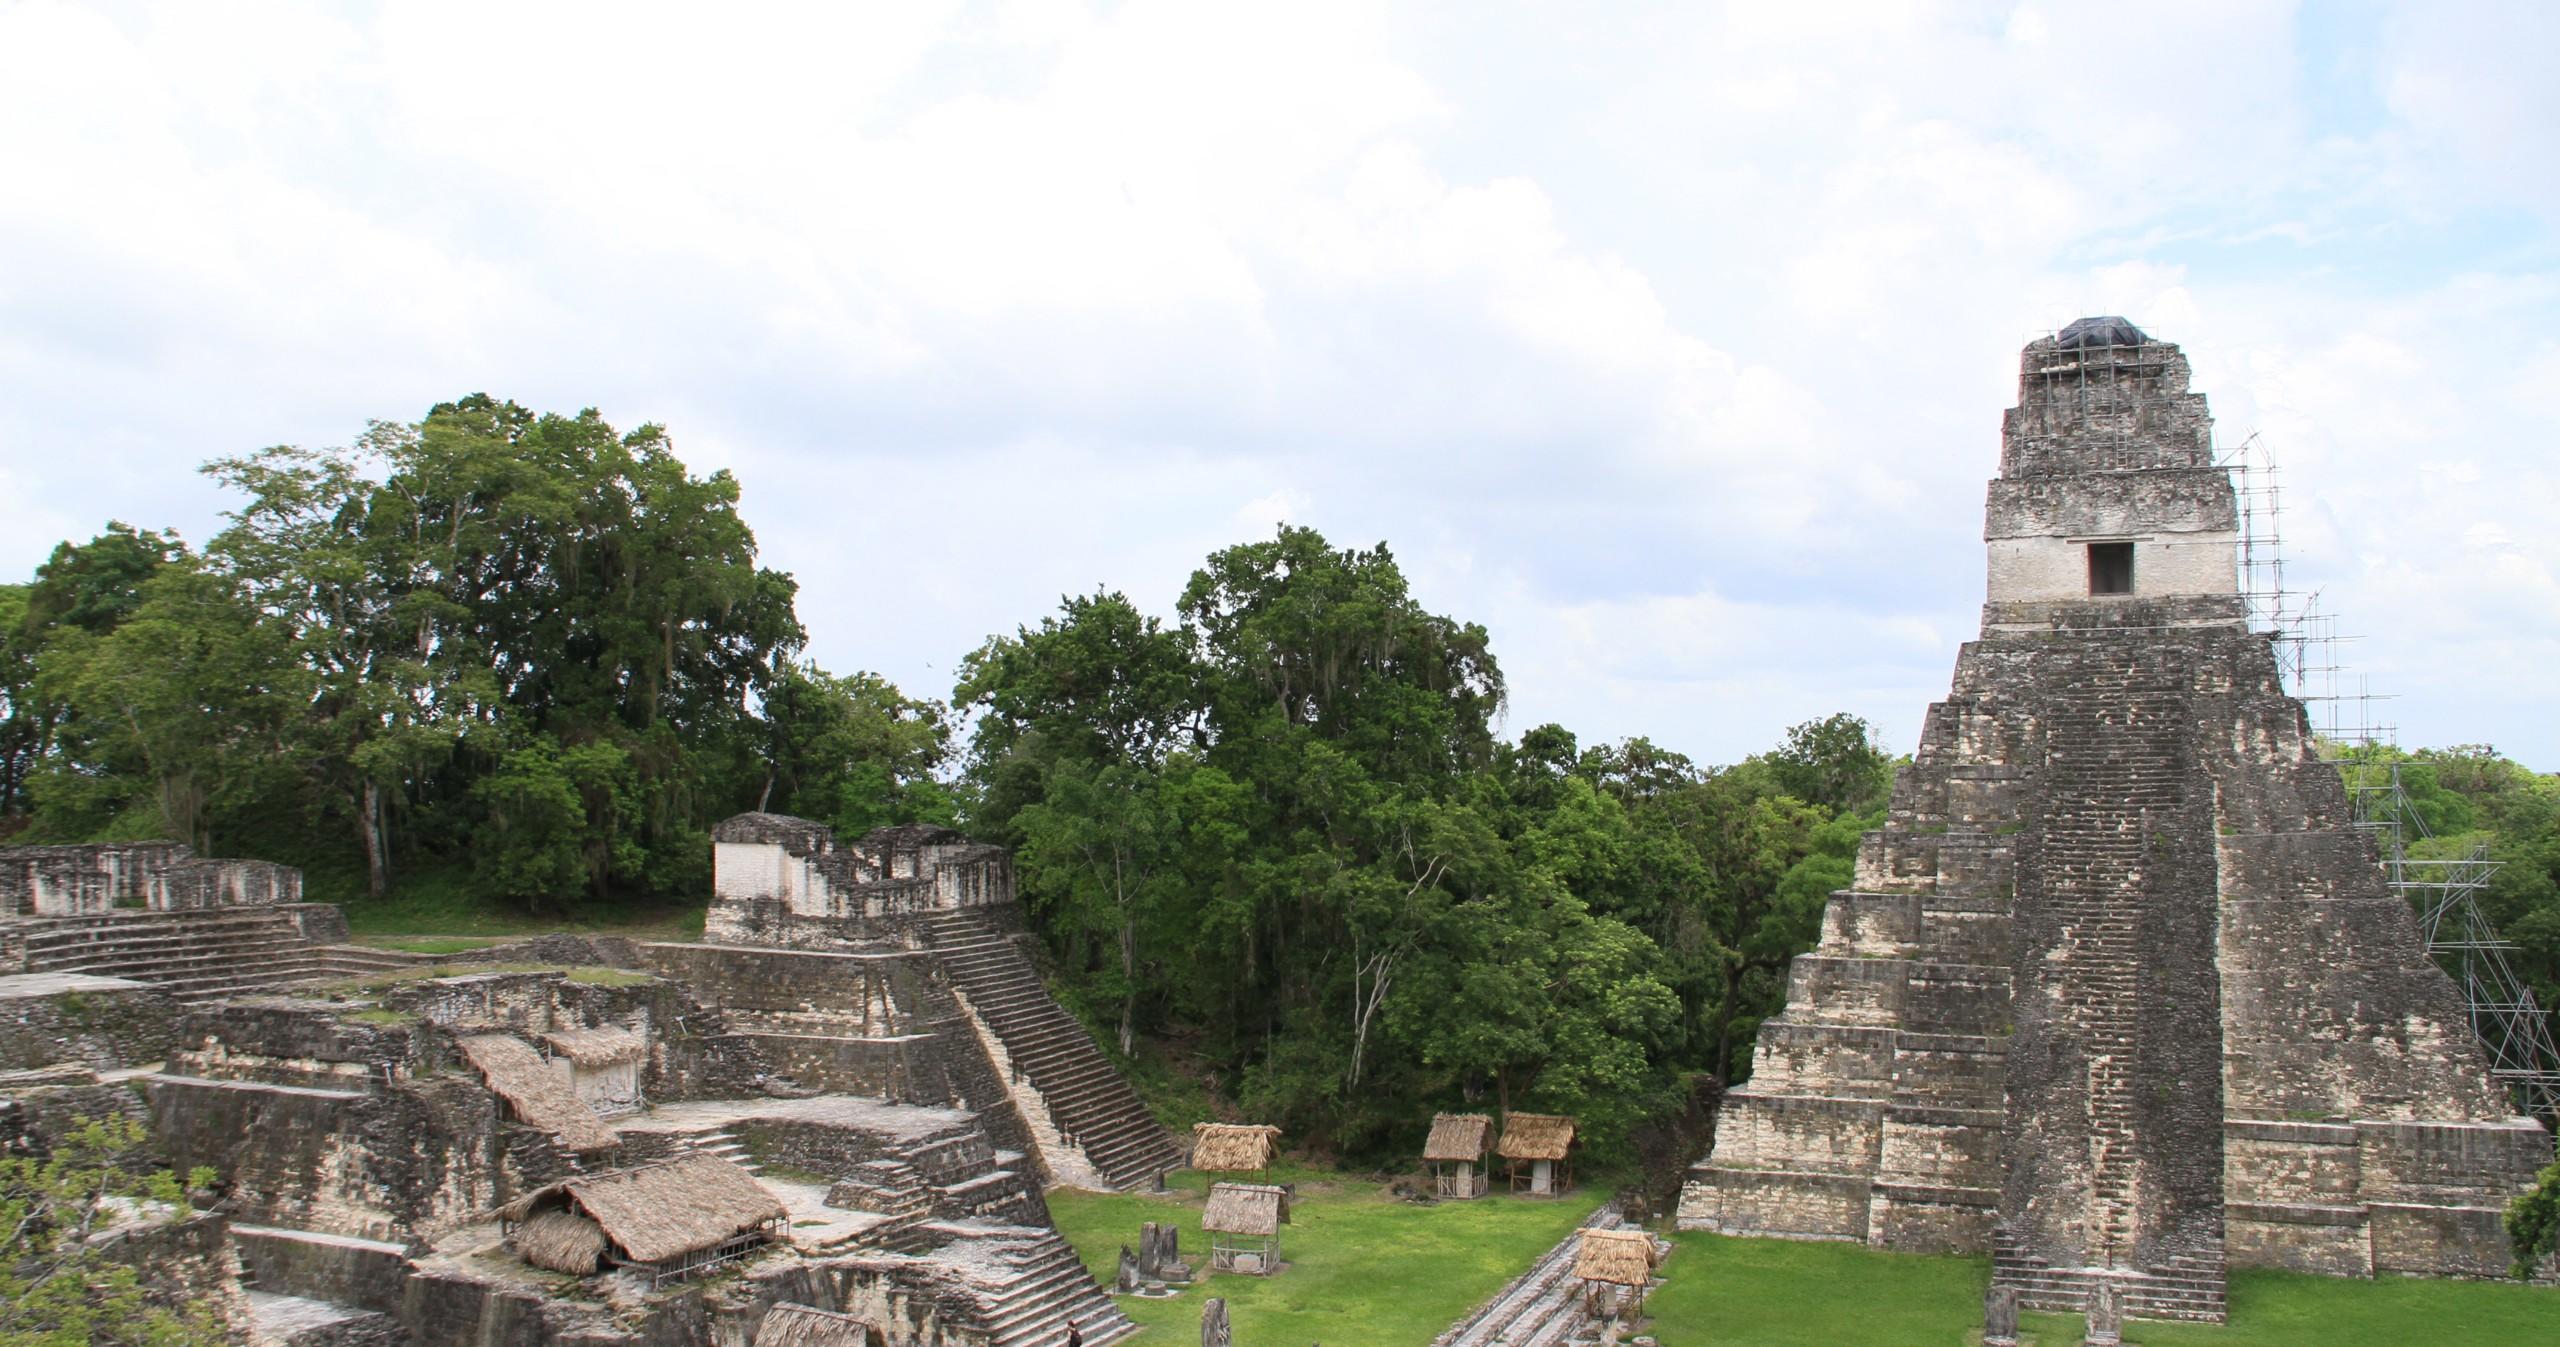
{"type": "Point", "coordinates": [957, 1162]}
{"type": "Point", "coordinates": [880, 1024]}
{"type": "Point", "coordinates": [2182, 523]}
{"type": "Point", "coordinates": [365, 1274]}
{"type": "Point", "coordinates": [2104, 409]}
{"type": "Point", "coordinates": [788, 881]}
{"type": "Point", "coordinates": [410, 1160]}
{"type": "Point", "coordinates": [104, 1028]}
{"type": "Point", "coordinates": [862, 995]}
{"type": "Point", "coordinates": [194, 884]}
{"type": "Point", "coordinates": [67, 881]}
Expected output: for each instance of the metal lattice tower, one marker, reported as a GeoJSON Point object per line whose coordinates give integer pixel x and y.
{"type": "Point", "coordinates": [2512, 1027]}
{"type": "Point", "coordinates": [2504, 1015]}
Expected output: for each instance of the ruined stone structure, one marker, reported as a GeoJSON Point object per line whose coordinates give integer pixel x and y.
{"type": "Point", "coordinates": [387, 1152]}
{"type": "Point", "coordinates": [848, 1105]}
{"type": "Point", "coordinates": [928, 923]}
{"type": "Point", "coordinates": [157, 913]}
{"type": "Point", "coordinates": [92, 878]}
{"type": "Point", "coordinates": [2120, 995]}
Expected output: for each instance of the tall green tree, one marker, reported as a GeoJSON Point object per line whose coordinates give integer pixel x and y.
{"type": "Point", "coordinates": [59, 1286]}
{"type": "Point", "coordinates": [379, 709]}
{"type": "Point", "coordinates": [82, 587]}
{"type": "Point", "coordinates": [179, 713]}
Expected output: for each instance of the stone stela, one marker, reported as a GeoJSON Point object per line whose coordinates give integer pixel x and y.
{"type": "Point", "coordinates": [2120, 996]}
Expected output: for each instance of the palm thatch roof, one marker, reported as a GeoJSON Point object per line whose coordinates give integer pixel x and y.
{"type": "Point", "coordinates": [805, 1326]}
{"type": "Point", "coordinates": [656, 1212]}
{"type": "Point", "coordinates": [1231, 1147]}
{"type": "Point", "coordinates": [561, 1240]}
{"type": "Point", "coordinates": [1622, 1257]}
{"type": "Point", "coordinates": [1246, 1209]}
{"type": "Point", "coordinates": [597, 1047]}
{"type": "Point", "coordinates": [1458, 1136]}
{"type": "Point", "coordinates": [1535, 1136]}
{"type": "Point", "coordinates": [517, 1074]}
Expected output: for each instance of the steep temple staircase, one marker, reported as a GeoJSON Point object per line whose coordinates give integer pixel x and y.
{"type": "Point", "coordinates": [2114, 782]}
{"type": "Point", "coordinates": [1086, 1097]}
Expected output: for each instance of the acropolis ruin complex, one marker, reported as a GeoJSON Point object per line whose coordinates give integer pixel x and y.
{"type": "Point", "coordinates": [2120, 995]}
{"type": "Point", "coordinates": [856, 1091]}
{"type": "Point", "coordinates": [2119, 999]}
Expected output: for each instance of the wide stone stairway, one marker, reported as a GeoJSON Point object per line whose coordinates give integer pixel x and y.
{"type": "Point", "coordinates": [1085, 1095]}
{"type": "Point", "coordinates": [1041, 1287]}
{"type": "Point", "coordinates": [195, 956]}
{"type": "Point", "coordinates": [2115, 792]}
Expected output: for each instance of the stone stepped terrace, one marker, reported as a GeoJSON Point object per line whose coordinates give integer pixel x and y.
{"type": "Point", "coordinates": [819, 1141]}
{"type": "Point", "coordinates": [1021, 1286]}
{"type": "Point", "coordinates": [195, 956]}
{"type": "Point", "coordinates": [1088, 1102]}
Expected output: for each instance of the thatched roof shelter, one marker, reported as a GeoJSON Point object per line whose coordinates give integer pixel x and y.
{"type": "Point", "coordinates": [806, 1326]}
{"type": "Point", "coordinates": [1535, 1136]}
{"type": "Point", "coordinates": [607, 1046]}
{"type": "Point", "coordinates": [1245, 1209]}
{"type": "Point", "coordinates": [1619, 1257]}
{"type": "Point", "coordinates": [536, 1094]}
{"type": "Point", "coordinates": [561, 1240]}
{"type": "Point", "coordinates": [1458, 1137]}
{"type": "Point", "coordinates": [1228, 1148]}
{"type": "Point", "coordinates": [662, 1212]}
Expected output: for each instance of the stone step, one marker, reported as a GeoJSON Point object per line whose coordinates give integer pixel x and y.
{"type": "Point", "coordinates": [1541, 1306]}
{"type": "Point", "coordinates": [294, 1321]}
{"type": "Point", "coordinates": [1086, 1095]}
{"type": "Point", "coordinates": [1053, 1289]}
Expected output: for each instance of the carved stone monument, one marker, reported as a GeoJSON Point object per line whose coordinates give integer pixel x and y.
{"type": "Point", "coordinates": [2106, 1317]}
{"type": "Point", "coordinates": [1160, 1253]}
{"type": "Point", "coordinates": [1213, 1324]}
{"type": "Point", "coordinates": [1128, 1279]}
{"type": "Point", "coordinates": [2000, 1316]}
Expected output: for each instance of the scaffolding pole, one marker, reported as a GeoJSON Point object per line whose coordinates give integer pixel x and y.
{"type": "Point", "coordinates": [2512, 1028]}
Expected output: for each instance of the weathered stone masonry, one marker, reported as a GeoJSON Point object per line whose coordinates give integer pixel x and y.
{"type": "Point", "coordinates": [2119, 993]}
{"type": "Point", "coordinates": [952, 1008]}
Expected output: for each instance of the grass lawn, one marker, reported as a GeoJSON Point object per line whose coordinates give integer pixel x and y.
{"type": "Point", "coordinates": [1789, 1293]}
{"type": "Point", "coordinates": [1364, 1269]}
{"type": "Point", "coordinates": [440, 912]}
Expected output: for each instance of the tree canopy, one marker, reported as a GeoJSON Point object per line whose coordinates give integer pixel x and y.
{"type": "Point", "coordinates": [525, 646]}
{"type": "Point", "coordinates": [1285, 831]}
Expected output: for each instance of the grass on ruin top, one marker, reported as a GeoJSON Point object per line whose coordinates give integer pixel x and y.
{"type": "Point", "coordinates": [1364, 1267]}
{"type": "Point", "coordinates": [1794, 1293]}
{"type": "Point", "coordinates": [437, 907]}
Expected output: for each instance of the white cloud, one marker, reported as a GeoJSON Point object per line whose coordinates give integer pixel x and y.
{"type": "Point", "coordinates": [1671, 346]}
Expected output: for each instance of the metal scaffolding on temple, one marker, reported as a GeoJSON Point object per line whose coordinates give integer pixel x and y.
{"type": "Point", "coordinates": [2444, 890]}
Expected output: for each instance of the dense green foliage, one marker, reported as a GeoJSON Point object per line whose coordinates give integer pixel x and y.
{"type": "Point", "coordinates": [57, 1288]}
{"type": "Point", "coordinates": [523, 644]}
{"type": "Point", "coordinates": [2533, 1223]}
{"type": "Point", "coordinates": [2467, 797]}
{"type": "Point", "coordinates": [1284, 832]}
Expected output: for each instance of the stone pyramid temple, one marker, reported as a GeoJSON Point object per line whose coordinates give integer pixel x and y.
{"type": "Point", "coordinates": [2120, 996]}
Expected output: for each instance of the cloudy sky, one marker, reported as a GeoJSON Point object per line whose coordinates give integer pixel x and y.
{"type": "Point", "coordinates": [1669, 343]}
